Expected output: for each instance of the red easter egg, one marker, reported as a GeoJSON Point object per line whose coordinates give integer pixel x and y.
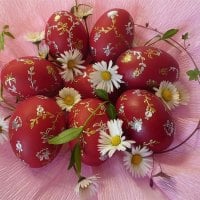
{"type": "Point", "coordinates": [145, 119]}
{"type": "Point", "coordinates": [29, 76]}
{"type": "Point", "coordinates": [82, 83]}
{"type": "Point", "coordinates": [145, 67]}
{"type": "Point", "coordinates": [111, 35]}
{"type": "Point", "coordinates": [89, 138]}
{"type": "Point", "coordinates": [64, 32]}
{"type": "Point", "coordinates": [34, 121]}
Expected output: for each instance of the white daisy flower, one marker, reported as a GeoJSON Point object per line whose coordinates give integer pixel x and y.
{"type": "Point", "coordinates": [3, 131]}
{"type": "Point", "coordinates": [71, 64]}
{"type": "Point", "coordinates": [183, 93]}
{"type": "Point", "coordinates": [168, 94]}
{"type": "Point", "coordinates": [87, 188]}
{"type": "Point", "coordinates": [43, 49]}
{"type": "Point", "coordinates": [138, 162]}
{"type": "Point", "coordinates": [105, 77]}
{"type": "Point", "coordinates": [114, 141]}
{"type": "Point", "coordinates": [68, 97]}
{"type": "Point", "coordinates": [34, 37]}
{"type": "Point", "coordinates": [82, 11]}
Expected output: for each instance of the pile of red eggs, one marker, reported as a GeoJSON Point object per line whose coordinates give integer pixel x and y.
{"type": "Point", "coordinates": [37, 82]}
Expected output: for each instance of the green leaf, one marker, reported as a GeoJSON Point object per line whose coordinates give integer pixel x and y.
{"type": "Point", "coordinates": [2, 41]}
{"type": "Point", "coordinates": [77, 158]}
{"type": "Point", "coordinates": [10, 35]}
{"type": "Point", "coordinates": [111, 110]}
{"type": "Point", "coordinates": [72, 158]}
{"type": "Point", "coordinates": [102, 94]}
{"type": "Point", "coordinates": [66, 136]}
{"type": "Point", "coordinates": [185, 36]}
{"type": "Point", "coordinates": [193, 74]}
{"type": "Point", "coordinates": [170, 33]}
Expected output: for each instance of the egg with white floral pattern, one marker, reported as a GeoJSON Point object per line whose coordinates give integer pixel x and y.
{"type": "Point", "coordinates": [65, 32]}
{"type": "Point", "coordinates": [112, 34]}
{"type": "Point", "coordinates": [79, 114]}
{"type": "Point", "coordinates": [145, 67]}
{"type": "Point", "coordinates": [29, 76]}
{"type": "Point", "coordinates": [34, 121]}
{"type": "Point", "coordinates": [146, 120]}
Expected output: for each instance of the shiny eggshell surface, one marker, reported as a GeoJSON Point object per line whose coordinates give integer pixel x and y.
{"type": "Point", "coordinates": [29, 76]}
{"type": "Point", "coordinates": [145, 119]}
{"type": "Point", "coordinates": [64, 32]}
{"type": "Point", "coordinates": [145, 67]}
{"type": "Point", "coordinates": [111, 35]}
{"type": "Point", "coordinates": [31, 124]}
{"type": "Point", "coordinates": [89, 138]}
{"type": "Point", "coordinates": [82, 83]}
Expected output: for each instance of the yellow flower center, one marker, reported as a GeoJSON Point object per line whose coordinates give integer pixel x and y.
{"type": "Point", "coordinates": [69, 100]}
{"type": "Point", "coordinates": [167, 95]}
{"type": "Point", "coordinates": [106, 75]}
{"type": "Point", "coordinates": [71, 64]}
{"type": "Point", "coordinates": [116, 140]}
{"type": "Point", "coordinates": [1, 129]}
{"type": "Point", "coordinates": [136, 159]}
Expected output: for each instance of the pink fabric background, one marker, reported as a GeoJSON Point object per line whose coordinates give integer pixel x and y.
{"type": "Point", "coordinates": [53, 182]}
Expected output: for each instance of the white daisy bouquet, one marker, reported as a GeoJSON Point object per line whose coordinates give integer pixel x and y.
{"type": "Point", "coordinates": [102, 93]}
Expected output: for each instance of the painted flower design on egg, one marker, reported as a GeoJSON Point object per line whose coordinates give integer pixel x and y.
{"type": "Point", "coordinates": [44, 154]}
{"type": "Point", "coordinates": [142, 110]}
{"type": "Point", "coordinates": [136, 124]}
{"type": "Point", "coordinates": [35, 124]}
{"type": "Point", "coordinates": [16, 123]}
{"type": "Point", "coordinates": [19, 147]}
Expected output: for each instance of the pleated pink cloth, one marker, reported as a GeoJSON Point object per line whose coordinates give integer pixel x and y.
{"type": "Point", "coordinates": [55, 182]}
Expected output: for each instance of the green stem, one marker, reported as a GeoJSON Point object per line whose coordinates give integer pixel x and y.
{"type": "Point", "coordinates": [149, 44]}
{"type": "Point", "coordinates": [93, 113]}
{"type": "Point", "coordinates": [149, 41]}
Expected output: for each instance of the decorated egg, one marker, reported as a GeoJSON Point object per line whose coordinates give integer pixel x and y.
{"type": "Point", "coordinates": [111, 35]}
{"type": "Point", "coordinates": [29, 76]}
{"type": "Point", "coordinates": [65, 32]}
{"type": "Point", "coordinates": [34, 121]}
{"type": "Point", "coordinates": [82, 83]}
{"type": "Point", "coordinates": [84, 86]}
{"type": "Point", "coordinates": [145, 67]}
{"type": "Point", "coordinates": [79, 114]}
{"type": "Point", "coordinates": [145, 119]}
